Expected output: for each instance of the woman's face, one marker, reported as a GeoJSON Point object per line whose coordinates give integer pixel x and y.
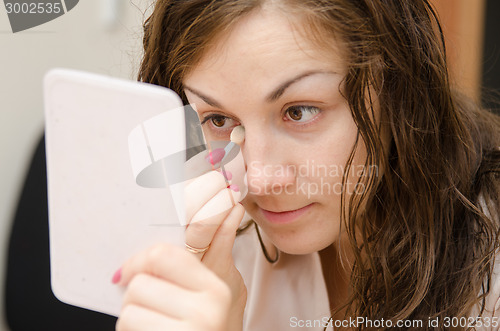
{"type": "Point", "coordinates": [299, 131]}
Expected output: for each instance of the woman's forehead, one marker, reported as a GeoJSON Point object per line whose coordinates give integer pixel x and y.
{"type": "Point", "coordinates": [268, 42]}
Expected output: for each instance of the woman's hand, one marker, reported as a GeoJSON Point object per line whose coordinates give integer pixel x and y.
{"type": "Point", "coordinates": [169, 289]}
{"type": "Point", "coordinates": [166, 293]}
{"type": "Point", "coordinates": [214, 214]}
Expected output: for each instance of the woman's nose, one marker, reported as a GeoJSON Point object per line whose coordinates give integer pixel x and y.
{"type": "Point", "coordinates": [269, 170]}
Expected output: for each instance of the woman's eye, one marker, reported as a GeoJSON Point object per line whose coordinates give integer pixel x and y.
{"type": "Point", "coordinates": [301, 114]}
{"type": "Point", "coordinates": [219, 121]}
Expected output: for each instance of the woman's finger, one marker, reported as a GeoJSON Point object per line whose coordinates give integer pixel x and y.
{"type": "Point", "coordinates": [163, 297]}
{"type": "Point", "coordinates": [199, 235]}
{"type": "Point", "coordinates": [169, 289]}
{"type": "Point", "coordinates": [221, 203]}
{"type": "Point", "coordinates": [170, 263]}
{"type": "Point", "coordinates": [203, 310]}
{"type": "Point", "coordinates": [204, 224]}
{"type": "Point", "coordinates": [137, 318]}
{"type": "Point", "coordinates": [220, 251]}
{"type": "Point", "coordinates": [199, 191]}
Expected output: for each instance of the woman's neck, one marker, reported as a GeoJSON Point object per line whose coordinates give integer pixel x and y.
{"type": "Point", "coordinates": [336, 261]}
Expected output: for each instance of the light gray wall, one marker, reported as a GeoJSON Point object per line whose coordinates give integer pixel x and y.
{"type": "Point", "coordinates": [102, 36]}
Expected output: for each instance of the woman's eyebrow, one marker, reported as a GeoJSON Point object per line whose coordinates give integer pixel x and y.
{"type": "Point", "coordinates": [209, 101]}
{"type": "Point", "coordinates": [273, 96]}
{"type": "Point", "coordinates": [278, 92]}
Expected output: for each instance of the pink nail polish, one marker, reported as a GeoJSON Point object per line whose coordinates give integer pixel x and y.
{"type": "Point", "coordinates": [234, 187]}
{"type": "Point", "coordinates": [117, 276]}
{"type": "Point", "coordinates": [215, 156]}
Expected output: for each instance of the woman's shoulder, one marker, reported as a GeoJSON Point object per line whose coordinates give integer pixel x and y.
{"type": "Point", "coordinates": [489, 318]}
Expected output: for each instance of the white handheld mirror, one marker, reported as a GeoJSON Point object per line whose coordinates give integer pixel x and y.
{"type": "Point", "coordinates": [98, 215]}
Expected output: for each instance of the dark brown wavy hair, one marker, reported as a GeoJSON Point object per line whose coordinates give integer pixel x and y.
{"type": "Point", "coordinates": [424, 240]}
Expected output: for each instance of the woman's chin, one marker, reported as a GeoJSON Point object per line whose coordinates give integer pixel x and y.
{"type": "Point", "coordinates": [298, 242]}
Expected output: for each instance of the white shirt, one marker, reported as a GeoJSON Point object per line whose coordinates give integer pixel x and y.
{"type": "Point", "coordinates": [282, 294]}
{"type": "Point", "coordinates": [291, 294]}
{"type": "Point", "coordinates": [491, 315]}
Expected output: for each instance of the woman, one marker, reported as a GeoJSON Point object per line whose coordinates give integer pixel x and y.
{"type": "Point", "coordinates": [395, 220]}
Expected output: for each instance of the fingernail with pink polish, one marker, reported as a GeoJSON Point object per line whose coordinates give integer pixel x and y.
{"type": "Point", "coordinates": [215, 156]}
{"type": "Point", "coordinates": [117, 276]}
{"type": "Point", "coordinates": [234, 187]}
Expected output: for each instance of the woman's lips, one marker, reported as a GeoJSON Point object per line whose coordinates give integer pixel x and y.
{"type": "Point", "coordinates": [285, 216]}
